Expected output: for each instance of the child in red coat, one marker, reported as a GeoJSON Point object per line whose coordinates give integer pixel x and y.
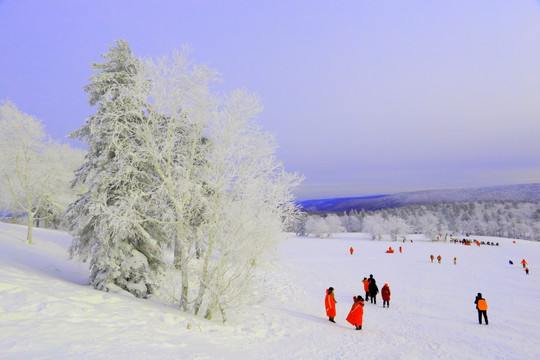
{"type": "Point", "coordinates": [385, 292]}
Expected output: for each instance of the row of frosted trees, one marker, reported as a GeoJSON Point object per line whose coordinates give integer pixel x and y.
{"type": "Point", "coordinates": [35, 171]}
{"type": "Point", "coordinates": [180, 195]}
{"type": "Point", "coordinates": [513, 219]}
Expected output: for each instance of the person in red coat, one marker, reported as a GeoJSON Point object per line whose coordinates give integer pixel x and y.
{"type": "Point", "coordinates": [357, 312]}
{"type": "Point", "coordinates": [366, 287]}
{"type": "Point", "coordinates": [330, 304]}
{"type": "Point", "coordinates": [385, 293]}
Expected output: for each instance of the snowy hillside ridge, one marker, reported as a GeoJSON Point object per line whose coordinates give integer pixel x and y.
{"type": "Point", "coordinates": [48, 310]}
{"type": "Point", "coordinates": [520, 192]}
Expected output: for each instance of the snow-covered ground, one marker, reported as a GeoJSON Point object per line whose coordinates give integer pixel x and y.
{"type": "Point", "coordinates": [47, 310]}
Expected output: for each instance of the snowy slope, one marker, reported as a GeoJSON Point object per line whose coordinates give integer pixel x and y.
{"type": "Point", "coordinates": [48, 311]}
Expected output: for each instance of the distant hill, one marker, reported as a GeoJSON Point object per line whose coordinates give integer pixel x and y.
{"type": "Point", "coordinates": [521, 192]}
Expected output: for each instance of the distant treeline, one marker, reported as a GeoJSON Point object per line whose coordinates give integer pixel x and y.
{"type": "Point", "coordinates": [512, 219]}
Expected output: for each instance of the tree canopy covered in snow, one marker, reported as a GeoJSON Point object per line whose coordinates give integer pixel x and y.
{"type": "Point", "coordinates": [181, 183]}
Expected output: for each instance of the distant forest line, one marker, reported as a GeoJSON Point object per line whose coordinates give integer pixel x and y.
{"type": "Point", "coordinates": [438, 220]}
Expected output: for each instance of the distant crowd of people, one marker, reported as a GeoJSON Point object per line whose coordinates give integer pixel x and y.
{"type": "Point", "coordinates": [474, 241]}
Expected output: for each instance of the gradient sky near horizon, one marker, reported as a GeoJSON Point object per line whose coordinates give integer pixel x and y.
{"type": "Point", "coordinates": [364, 97]}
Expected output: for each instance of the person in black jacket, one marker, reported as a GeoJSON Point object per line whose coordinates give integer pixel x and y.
{"type": "Point", "coordinates": [373, 291]}
{"type": "Point", "coordinates": [481, 306]}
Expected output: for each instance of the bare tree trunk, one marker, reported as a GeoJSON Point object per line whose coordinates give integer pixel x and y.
{"type": "Point", "coordinates": [30, 227]}
{"type": "Point", "coordinates": [177, 254]}
{"type": "Point", "coordinates": [185, 284]}
{"type": "Point", "coordinates": [223, 314]}
{"type": "Point", "coordinates": [204, 276]}
{"type": "Point", "coordinates": [210, 310]}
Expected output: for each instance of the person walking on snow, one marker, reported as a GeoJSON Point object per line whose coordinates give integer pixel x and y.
{"type": "Point", "coordinates": [481, 306]}
{"type": "Point", "coordinates": [431, 257]}
{"type": "Point", "coordinates": [330, 304]}
{"type": "Point", "coordinates": [366, 288]}
{"type": "Point", "coordinates": [385, 293]}
{"type": "Point", "coordinates": [351, 250]}
{"type": "Point", "coordinates": [357, 312]}
{"type": "Point", "coordinates": [373, 291]}
{"type": "Point", "coordinates": [439, 258]}
{"type": "Point", "coordinates": [524, 263]}
{"type": "Point", "coordinates": [455, 260]}
{"type": "Point", "coordinates": [527, 270]}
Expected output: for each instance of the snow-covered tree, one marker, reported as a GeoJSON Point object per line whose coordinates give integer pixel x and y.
{"type": "Point", "coordinates": [316, 226]}
{"type": "Point", "coordinates": [108, 221]}
{"type": "Point", "coordinates": [63, 160]}
{"type": "Point", "coordinates": [250, 203]}
{"type": "Point", "coordinates": [299, 226]}
{"type": "Point", "coordinates": [397, 227]}
{"type": "Point", "coordinates": [34, 178]}
{"type": "Point", "coordinates": [319, 226]}
{"type": "Point", "coordinates": [171, 165]}
{"type": "Point", "coordinates": [428, 224]}
{"type": "Point", "coordinates": [374, 225]}
{"type": "Point", "coordinates": [334, 224]}
{"type": "Point", "coordinates": [352, 222]}
{"type": "Point", "coordinates": [176, 146]}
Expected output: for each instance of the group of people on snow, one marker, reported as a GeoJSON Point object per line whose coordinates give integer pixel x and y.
{"type": "Point", "coordinates": [371, 289]}
{"type": "Point", "coordinates": [525, 267]}
{"type": "Point", "coordinates": [356, 313]}
{"type": "Point", "coordinates": [524, 263]}
{"type": "Point", "coordinates": [439, 258]}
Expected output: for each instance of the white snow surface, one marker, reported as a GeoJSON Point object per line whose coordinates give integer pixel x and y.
{"type": "Point", "coordinates": [48, 310]}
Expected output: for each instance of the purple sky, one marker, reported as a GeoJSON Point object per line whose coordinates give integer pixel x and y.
{"type": "Point", "coordinates": [364, 97]}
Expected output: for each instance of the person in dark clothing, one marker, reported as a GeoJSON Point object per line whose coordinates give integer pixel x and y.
{"type": "Point", "coordinates": [481, 306]}
{"type": "Point", "coordinates": [373, 291]}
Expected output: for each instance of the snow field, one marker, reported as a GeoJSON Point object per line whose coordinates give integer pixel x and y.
{"type": "Point", "coordinates": [48, 311]}
{"type": "Point", "coordinates": [431, 310]}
